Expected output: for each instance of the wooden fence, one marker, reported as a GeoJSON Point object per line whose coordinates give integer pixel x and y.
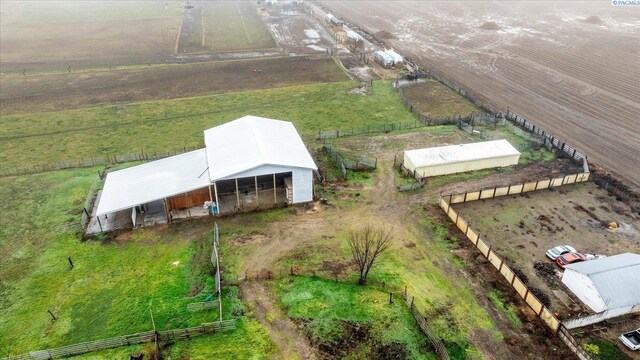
{"type": "Point", "coordinates": [437, 343]}
{"type": "Point", "coordinates": [126, 340]}
{"type": "Point", "coordinates": [499, 263]}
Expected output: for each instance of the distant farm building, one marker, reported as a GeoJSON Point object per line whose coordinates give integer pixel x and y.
{"type": "Point", "coordinates": [383, 59]}
{"type": "Point", "coordinates": [397, 58]}
{"type": "Point", "coordinates": [355, 40]}
{"type": "Point", "coordinates": [460, 158]}
{"type": "Point", "coordinates": [248, 163]}
{"type": "Point", "coordinates": [333, 20]}
{"type": "Point", "coordinates": [610, 286]}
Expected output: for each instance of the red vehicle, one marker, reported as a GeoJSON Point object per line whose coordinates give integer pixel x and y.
{"type": "Point", "coordinates": [570, 258]}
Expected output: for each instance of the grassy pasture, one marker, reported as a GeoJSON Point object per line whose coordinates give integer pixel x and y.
{"type": "Point", "coordinates": [112, 285]}
{"type": "Point", "coordinates": [44, 138]}
{"type": "Point", "coordinates": [47, 35]}
{"type": "Point", "coordinates": [437, 101]}
{"type": "Point", "coordinates": [234, 25]}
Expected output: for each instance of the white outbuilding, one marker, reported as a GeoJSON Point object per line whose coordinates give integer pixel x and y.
{"type": "Point", "coordinates": [397, 58]}
{"type": "Point", "coordinates": [249, 163]}
{"type": "Point", "coordinates": [460, 158]}
{"type": "Point", "coordinates": [609, 286]}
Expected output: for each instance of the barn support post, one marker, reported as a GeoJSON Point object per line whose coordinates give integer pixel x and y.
{"type": "Point", "coordinates": [275, 198]}
{"type": "Point", "coordinates": [237, 195]}
{"type": "Point", "coordinates": [187, 204]}
{"type": "Point", "coordinates": [255, 178]}
{"type": "Point", "coordinates": [99, 223]}
{"type": "Point", "coordinates": [210, 195]}
{"type": "Point", "coordinates": [215, 189]}
{"type": "Point", "coordinates": [166, 210]}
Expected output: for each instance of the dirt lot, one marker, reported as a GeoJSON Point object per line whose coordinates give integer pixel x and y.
{"type": "Point", "coordinates": [295, 31]}
{"type": "Point", "coordinates": [553, 63]}
{"type": "Point", "coordinates": [57, 34]}
{"type": "Point", "coordinates": [26, 94]}
{"type": "Point", "coordinates": [522, 228]}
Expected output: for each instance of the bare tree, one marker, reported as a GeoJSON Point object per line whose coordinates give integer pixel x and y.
{"type": "Point", "coordinates": [366, 245]}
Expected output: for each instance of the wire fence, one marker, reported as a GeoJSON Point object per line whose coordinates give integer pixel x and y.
{"type": "Point", "coordinates": [92, 195]}
{"type": "Point", "coordinates": [363, 164]}
{"type": "Point", "coordinates": [126, 340]}
{"type": "Point", "coordinates": [368, 130]}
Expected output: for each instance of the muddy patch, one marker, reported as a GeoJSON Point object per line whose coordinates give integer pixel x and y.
{"type": "Point", "coordinates": [254, 237]}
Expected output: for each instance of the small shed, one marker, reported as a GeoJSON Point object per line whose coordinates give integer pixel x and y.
{"type": "Point", "coordinates": [384, 59]}
{"type": "Point", "coordinates": [611, 283]}
{"type": "Point", "coordinates": [333, 20]}
{"type": "Point", "coordinates": [460, 158]}
{"type": "Point", "coordinates": [355, 38]}
{"type": "Point", "coordinates": [397, 58]}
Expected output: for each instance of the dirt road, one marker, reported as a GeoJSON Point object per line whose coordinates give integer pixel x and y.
{"type": "Point", "coordinates": [570, 67]}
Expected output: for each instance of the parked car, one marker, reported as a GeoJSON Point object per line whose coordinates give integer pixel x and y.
{"type": "Point", "coordinates": [595, 256]}
{"type": "Point", "coordinates": [631, 339]}
{"type": "Point", "coordinates": [559, 250]}
{"type": "Point", "coordinates": [570, 258]}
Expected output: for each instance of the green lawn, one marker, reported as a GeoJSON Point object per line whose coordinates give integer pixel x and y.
{"type": "Point", "coordinates": [171, 124]}
{"type": "Point", "coordinates": [113, 284]}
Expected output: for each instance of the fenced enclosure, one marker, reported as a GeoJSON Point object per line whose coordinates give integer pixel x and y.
{"type": "Point", "coordinates": [126, 340]}
{"type": "Point", "coordinates": [363, 164]}
{"type": "Point", "coordinates": [425, 119]}
{"type": "Point", "coordinates": [541, 311]}
{"type": "Point", "coordinates": [368, 130]}
{"type": "Point", "coordinates": [202, 306]}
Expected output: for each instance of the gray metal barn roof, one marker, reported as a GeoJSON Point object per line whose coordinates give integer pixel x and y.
{"type": "Point", "coordinates": [231, 148]}
{"type": "Point", "coordinates": [616, 278]}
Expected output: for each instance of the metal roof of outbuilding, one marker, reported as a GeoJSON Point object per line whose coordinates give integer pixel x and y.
{"type": "Point", "coordinates": [231, 148]}
{"type": "Point", "coordinates": [253, 141]}
{"type": "Point", "coordinates": [461, 153]}
{"type": "Point", "coordinates": [616, 278]}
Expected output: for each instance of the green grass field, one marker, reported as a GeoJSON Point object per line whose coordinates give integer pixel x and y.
{"type": "Point", "coordinates": [438, 101]}
{"type": "Point", "coordinates": [112, 285]}
{"type": "Point", "coordinates": [332, 311]}
{"type": "Point", "coordinates": [45, 138]}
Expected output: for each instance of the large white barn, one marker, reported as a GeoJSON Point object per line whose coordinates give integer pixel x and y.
{"type": "Point", "coordinates": [248, 163]}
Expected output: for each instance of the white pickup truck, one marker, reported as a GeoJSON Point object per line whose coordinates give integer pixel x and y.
{"type": "Point", "coordinates": [631, 339]}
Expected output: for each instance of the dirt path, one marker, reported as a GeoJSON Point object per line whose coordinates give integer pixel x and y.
{"type": "Point", "coordinates": [282, 331]}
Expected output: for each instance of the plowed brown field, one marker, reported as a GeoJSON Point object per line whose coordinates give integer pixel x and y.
{"type": "Point", "coordinates": [571, 67]}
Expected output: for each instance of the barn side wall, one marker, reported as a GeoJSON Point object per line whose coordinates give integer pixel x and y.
{"type": "Point", "coordinates": [452, 168]}
{"type": "Point", "coordinates": [261, 170]}
{"type": "Point", "coordinates": [302, 185]}
{"type": "Point", "coordinates": [582, 286]}
{"type": "Point", "coordinates": [596, 318]}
